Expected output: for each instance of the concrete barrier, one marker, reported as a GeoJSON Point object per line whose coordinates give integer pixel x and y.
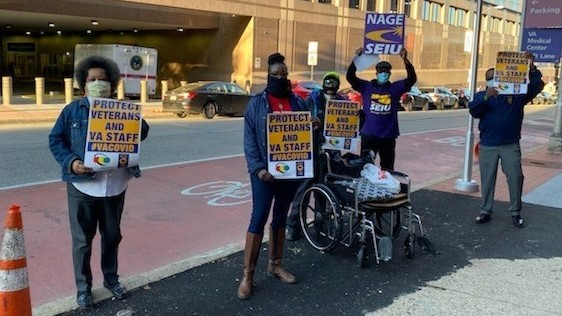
{"type": "Point", "coordinates": [7, 90]}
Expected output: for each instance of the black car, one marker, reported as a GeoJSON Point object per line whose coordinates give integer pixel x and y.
{"type": "Point", "coordinates": [207, 98]}
{"type": "Point", "coordinates": [415, 99]}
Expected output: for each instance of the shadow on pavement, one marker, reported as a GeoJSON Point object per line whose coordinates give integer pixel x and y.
{"type": "Point", "coordinates": [331, 284]}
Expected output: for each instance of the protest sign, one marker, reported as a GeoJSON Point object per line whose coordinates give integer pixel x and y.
{"type": "Point", "coordinates": [384, 33]}
{"type": "Point", "coordinates": [113, 139]}
{"type": "Point", "coordinates": [289, 138]}
{"type": "Point", "coordinates": [341, 126]}
{"type": "Point", "coordinates": [511, 74]}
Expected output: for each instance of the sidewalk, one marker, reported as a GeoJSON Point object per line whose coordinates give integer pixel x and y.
{"type": "Point", "coordinates": [23, 110]}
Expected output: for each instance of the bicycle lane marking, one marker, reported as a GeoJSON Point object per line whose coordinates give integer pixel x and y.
{"type": "Point", "coordinates": [221, 193]}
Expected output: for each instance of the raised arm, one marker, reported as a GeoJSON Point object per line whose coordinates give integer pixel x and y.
{"type": "Point", "coordinates": [411, 78]}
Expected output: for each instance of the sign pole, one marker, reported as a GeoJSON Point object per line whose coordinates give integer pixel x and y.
{"type": "Point", "coordinates": [555, 140]}
{"type": "Point", "coordinates": [466, 184]}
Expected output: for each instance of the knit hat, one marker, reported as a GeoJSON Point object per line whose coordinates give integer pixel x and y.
{"type": "Point", "coordinates": [332, 75]}
{"type": "Point", "coordinates": [383, 66]}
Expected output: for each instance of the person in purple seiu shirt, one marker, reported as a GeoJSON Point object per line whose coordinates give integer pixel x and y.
{"type": "Point", "coordinates": [380, 106]}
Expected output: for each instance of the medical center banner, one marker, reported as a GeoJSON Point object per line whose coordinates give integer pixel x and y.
{"type": "Point", "coordinates": [289, 151]}
{"type": "Point", "coordinates": [113, 139]}
{"type": "Point", "coordinates": [341, 126]}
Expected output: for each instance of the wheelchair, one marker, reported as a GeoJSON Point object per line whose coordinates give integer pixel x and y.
{"type": "Point", "coordinates": [333, 212]}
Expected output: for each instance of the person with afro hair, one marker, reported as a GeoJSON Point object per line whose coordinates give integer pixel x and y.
{"type": "Point", "coordinates": [95, 199]}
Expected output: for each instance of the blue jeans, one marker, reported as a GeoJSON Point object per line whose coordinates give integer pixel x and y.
{"type": "Point", "coordinates": [263, 195]}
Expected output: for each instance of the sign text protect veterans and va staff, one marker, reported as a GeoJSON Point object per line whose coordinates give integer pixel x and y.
{"type": "Point", "coordinates": [512, 73]}
{"type": "Point", "coordinates": [341, 126]}
{"type": "Point", "coordinates": [113, 138]}
{"type": "Point", "coordinates": [289, 151]}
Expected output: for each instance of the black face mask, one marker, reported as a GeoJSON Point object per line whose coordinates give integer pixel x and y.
{"type": "Point", "coordinates": [278, 87]}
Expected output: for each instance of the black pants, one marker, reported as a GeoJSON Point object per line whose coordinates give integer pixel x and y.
{"type": "Point", "coordinates": [85, 213]}
{"type": "Point", "coordinates": [385, 148]}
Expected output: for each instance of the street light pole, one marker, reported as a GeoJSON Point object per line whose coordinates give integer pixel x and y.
{"type": "Point", "coordinates": [466, 184]}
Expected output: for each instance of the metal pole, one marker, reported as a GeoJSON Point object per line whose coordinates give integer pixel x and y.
{"type": "Point", "coordinates": [466, 184]}
{"type": "Point", "coordinates": [311, 72]}
{"type": "Point", "coordinates": [555, 140]}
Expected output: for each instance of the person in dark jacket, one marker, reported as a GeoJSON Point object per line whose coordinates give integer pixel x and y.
{"type": "Point", "coordinates": [316, 102]}
{"type": "Point", "coordinates": [266, 190]}
{"type": "Point", "coordinates": [501, 116]}
{"type": "Point", "coordinates": [94, 198]}
{"type": "Point", "coordinates": [381, 102]}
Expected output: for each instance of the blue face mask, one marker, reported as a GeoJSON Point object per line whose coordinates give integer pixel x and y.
{"type": "Point", "coordinates": [382, 77]}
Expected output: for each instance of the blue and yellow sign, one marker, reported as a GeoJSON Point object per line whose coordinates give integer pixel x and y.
{"type": "Point", "coordinates": [512, 73]}
{"type": "Point", "coordinates": [113, 137]}
{"type": "Point", "coordinates": [289, 139]}
{"type": "Point", "coordinates": [384, 33]}
{"type": "Point", "coordinates": [341, 126]}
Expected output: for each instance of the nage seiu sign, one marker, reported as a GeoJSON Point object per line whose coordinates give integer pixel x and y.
{"type": "Point", "coordinates": [113, 139]}
{"type": "Point", "coordinates": [384, 33]}
{"type": "Point", "coordinates": [289, 151]}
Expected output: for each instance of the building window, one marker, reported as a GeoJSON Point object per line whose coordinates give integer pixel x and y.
{"type": "Point", "coordinates": [354, 4]}
{"type": "Point", "coordinates": [371, 5]}
{"type": "Point", "coordinates": [461, 17]}
{"type": "Point", "coordinates": [451, 16]}
{"type": "Point", "coordinates": [435, 12]}
{"type": "Point", "coordinates": [425, 10]}
{"type": "Point", "coordinates": [408, 7]}
{"type": "Point", "coordinates": [393, 6]}
{"type": "Point", "coordinates": [456, 16]}
{"type": "Point", "coordinates": [325, 1]}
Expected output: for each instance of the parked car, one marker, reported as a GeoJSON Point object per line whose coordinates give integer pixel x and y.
{"type": "Point", "coordinates": [463, 94]}
{"type": "Point", "coordinates": [207, 98]}
{"type": "Point", "coordinates": [415, 99]}
{"type": "Point", "coordinates": [441, 97]}
{"type": "Point", "coordinates": [304, 87]}
{"type": "Point", "coordinates": [545, 98]}
{"type": "Point", "coordinates": [351, 95]}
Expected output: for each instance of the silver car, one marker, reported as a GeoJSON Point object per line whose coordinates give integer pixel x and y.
{"type": "Point", "coordinates": [441, 97]}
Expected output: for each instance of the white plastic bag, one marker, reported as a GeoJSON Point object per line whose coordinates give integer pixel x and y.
{"type": "Point", "coordinates": [380, 178]}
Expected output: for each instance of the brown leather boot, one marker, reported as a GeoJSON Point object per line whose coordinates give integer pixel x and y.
{"type": "Point", "coordinates": [251, 252]}
{"type": "Point", "coordinates": [275, 268]}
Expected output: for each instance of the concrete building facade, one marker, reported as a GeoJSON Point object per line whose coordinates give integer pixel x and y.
{"type": "Point", "coordinates": [231, 39]}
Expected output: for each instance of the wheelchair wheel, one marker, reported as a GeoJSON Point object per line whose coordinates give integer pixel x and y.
{"type": "Point", "coordinates": [410, 246]}
{"type": "Point", "coordinates": [319, 218]}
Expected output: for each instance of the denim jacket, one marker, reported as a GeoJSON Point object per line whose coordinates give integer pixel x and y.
{"type": "Point", "coordinates": [255, 135]}
{"type": "Point", "coordinates": [67, 140]}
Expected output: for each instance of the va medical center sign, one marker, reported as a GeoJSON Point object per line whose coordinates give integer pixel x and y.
{"type": "Point", "coordinates": [545, 44]}
{"type": "Point", "coordinates": [543, 29]}
{"type": "Point", "coordinates": [384, 33]}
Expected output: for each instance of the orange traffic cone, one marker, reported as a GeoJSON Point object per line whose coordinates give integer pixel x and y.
{"type": "Point", "coordinates": [14, 286]}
